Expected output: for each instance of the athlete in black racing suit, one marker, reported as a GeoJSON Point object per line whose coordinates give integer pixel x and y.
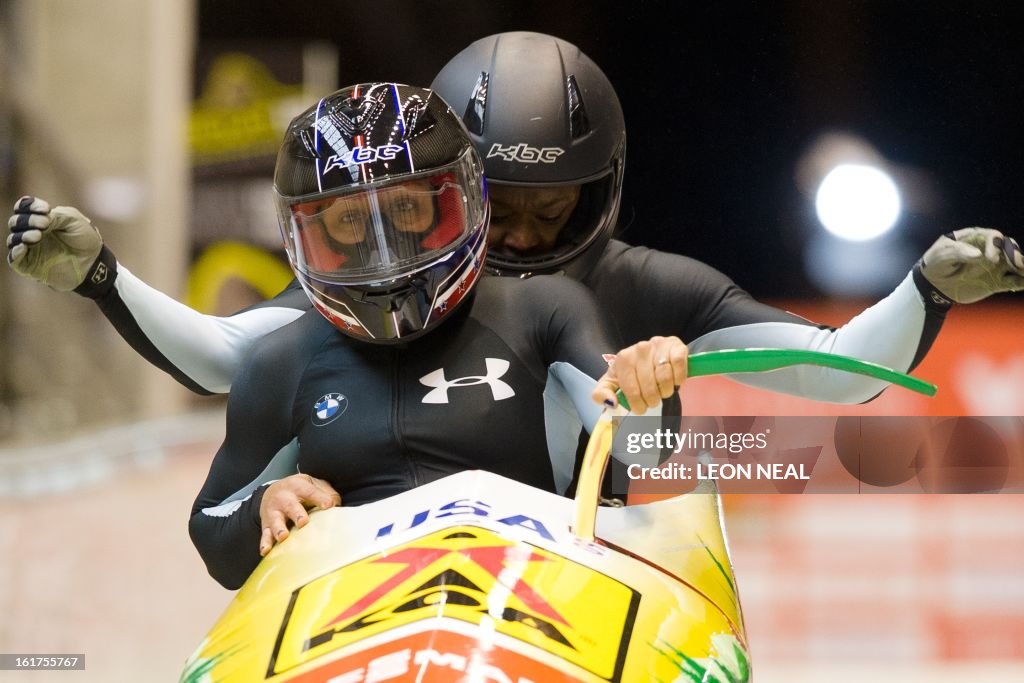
{"type": "Point", "coordinates": [376, 420]}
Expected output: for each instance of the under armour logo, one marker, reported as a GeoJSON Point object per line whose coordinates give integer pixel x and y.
{"type": "Point", "coordinates": [99, 276]}
{"type": "Point", "coordinates": [496, 368]}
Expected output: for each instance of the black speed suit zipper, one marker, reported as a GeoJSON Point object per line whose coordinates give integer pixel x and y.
{"type": "Point", "coordinates": [396, 398]}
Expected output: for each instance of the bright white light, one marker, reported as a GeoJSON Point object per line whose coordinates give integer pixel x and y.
{"type": "Point", "coordinates": [857, 203]}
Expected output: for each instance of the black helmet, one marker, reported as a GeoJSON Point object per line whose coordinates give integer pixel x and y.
{"type": "Point", "coordinates": [382, 204]}
{"type": "Point", "coordinates": [542, 114]}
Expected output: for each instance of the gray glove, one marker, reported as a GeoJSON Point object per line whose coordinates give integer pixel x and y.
{"type": "Point", "coordinates": [58, 247]}
{"type": "Point", "coordinates": [970, 264]}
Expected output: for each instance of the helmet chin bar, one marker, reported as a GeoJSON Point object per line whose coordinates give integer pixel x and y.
{"type": "Point", "coordinates": [501, 271]}
{"type": "Point", "coordinates": [574, 262]}
{"type": "Point", "coordinates": [401, 315]}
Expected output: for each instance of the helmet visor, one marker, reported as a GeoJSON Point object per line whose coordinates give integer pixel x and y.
{"type": "Point", "coordinates": [386, 231]}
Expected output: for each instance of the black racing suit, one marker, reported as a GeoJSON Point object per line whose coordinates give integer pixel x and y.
{"type": "Point", "coordinates": [375, 420]}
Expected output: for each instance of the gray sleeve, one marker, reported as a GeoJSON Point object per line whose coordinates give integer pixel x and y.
{"type": "Point", "coordinates": [889, 333]}
{"type": "Point", "coordinates": [198, 350]}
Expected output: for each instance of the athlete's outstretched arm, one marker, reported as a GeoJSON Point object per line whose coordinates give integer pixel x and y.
{"type": "Point", "coordinates": [961, 267]}
{"type": "Point", "coordinates": [896, 332]}
{"type": "Point", "coordinates": [60, 247]}
{"type": "Point", "coordinates": [704, 307]}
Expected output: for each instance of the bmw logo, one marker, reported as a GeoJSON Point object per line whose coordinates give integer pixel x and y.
{"type": "Point", "coordinates": [328, 409]}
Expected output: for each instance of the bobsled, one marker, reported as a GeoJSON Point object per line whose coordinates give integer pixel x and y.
{"type": "Point", "coordinates": [476, 577]}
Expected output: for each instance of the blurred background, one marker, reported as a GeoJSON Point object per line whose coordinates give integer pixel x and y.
{"type": "Point", "coordinates": [812, 151]}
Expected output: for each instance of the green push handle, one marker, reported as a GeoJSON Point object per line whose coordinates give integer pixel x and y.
{"type": "Point", "coordinates": [730, 361]}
